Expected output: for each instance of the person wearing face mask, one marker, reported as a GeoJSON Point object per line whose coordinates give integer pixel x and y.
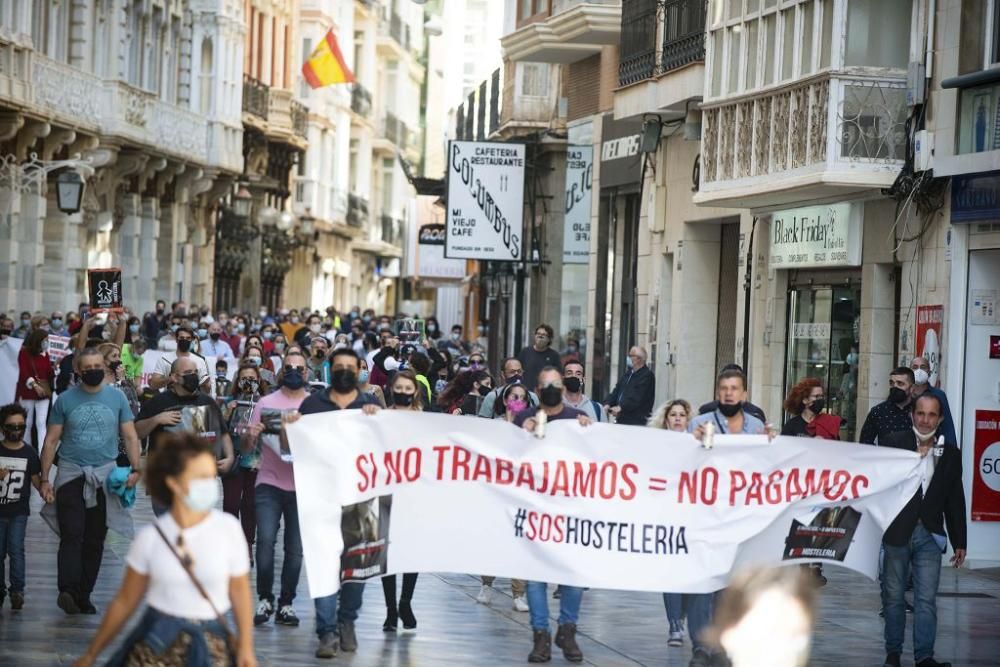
{"type": "Point", "coordinates": [892, 415]}
{"type": "Point", "coordinates": [919, 535]}
{"type": "Point", "coordinates": [404, 396]}
{"type": "Point", "coordinates": [465, 393]}
{"type": "Point", "coordinates": [132, 358]}
{"type": "Point", "coordinates": [711, 406]}
{"type": "Point", "coordinates": [214, 346]}
{"type": "Point", "coordinates": [574, 380]}
{"type": "Point", "coordinates": [255, 356]}
{"type": "Point", "coordinates": [238, 495]}
{"type": "Point", "coordinates": [20, 469]}
{"type": "Point", "coordinates": [24, 328]}
{"type": "Point", "coordinates": [731, 415]}
{"type": "Point", "coordinates": [6, 327]}
{"type": "Point", "coordinates": [36, 378]}
{"type": "Point", "coordinates": [193, 542]}
{"type": "Point", "coordinates": [114, 375]}
{"type": "Point", "coordinates": [806, 402]}
{"type": "Point", "coordinates": [513, 373]}
{"type": "Point", "coordinates": [631, 401]}
{"type": "Point", "coordinates": [433, 329]}
{"type": "Point", "coordinates": [291, 326]}
{"type": "Point", "coordinates": [84, 426]}
{"type": "Point", "coordinates": [312, 329]}
{"type": "Point", "coordinates": [336, 614]}
{"type": "Point", "coordinates": [922, 385]}
{"type": "Point", "coordinates": [57, 325]}
{"type": "Point", "coordinates": [319, 367]}
{"type": "Point", "coordinates": [365, 385]}
{"type": "Point", "coordinates": [185, 350]}
{"type": "Point", "coordinates": [274, 494]}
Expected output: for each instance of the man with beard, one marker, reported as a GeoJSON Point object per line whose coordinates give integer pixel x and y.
{"type": "Point", "coordinates": [185, 340]}
{"type": "Point", "coordinates": [335, 627]}
{"type": "Point", "coordinates": [513, 373]}
{"type": "Point", "coordinates": [917, 537]}
{"type": "Point", "coordinates": [892, 415]}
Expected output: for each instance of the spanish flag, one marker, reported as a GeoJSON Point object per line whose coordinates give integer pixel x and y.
{"type": "Point", "coordinates": [326, 64]}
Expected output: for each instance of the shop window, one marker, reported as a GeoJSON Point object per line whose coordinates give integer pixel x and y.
{"type": "Point", "coordinates": [823, 335]}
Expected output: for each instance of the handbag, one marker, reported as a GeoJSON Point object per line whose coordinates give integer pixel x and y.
{"type": "Point", "coordinates": [186, 563]}
{"type": "Point", "coordinates": [44, 385]}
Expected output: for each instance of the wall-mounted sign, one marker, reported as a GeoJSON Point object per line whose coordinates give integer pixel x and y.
{"type": "Point", "coordinates": [816, 236]}
{"type": "Point", "coordinates": [430, 259]}
{"type": "Point", "coordinates": [930, 319]}
{"type": "Point", "coordinates": [983, 307]}
{"type": "Point", "coordinates": [105, 289]}
{"type": "Point", "coordinates": [994, 347]}
{"type": "Point", "coordinates": [811, 330]}
{"type": "Point", "coordinates": [579, 178]}
{"type": "Point", "coordinates": [986, 472]}
{"type": "Point", "coordinates": [485, 201]}
{"type": "Point", "coordinates": [975, 197]}
{"type": "Point", "coordinates": [621, 161]}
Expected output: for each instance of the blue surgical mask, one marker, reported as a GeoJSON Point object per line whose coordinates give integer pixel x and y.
{"type": "Point", "coordinates": [133, 328]}
{"type": "Point", "coordinates": [25, 323]}
{"type": "Point", "coordinates": [57, 323]}
{"type": "Point", "coordinates": [363, 377]}
{"type": "Point", "coordinates": [439, 386]}
{"type": "Point", "coordinates": [268, 335]}
{"type": "Point", "coordinates": [202, 495]}
{"type": "Point", "coordinates": [241, 327]}
{"type": "Point", "coordinates": [203, 333]}
{"type": "Point", "coordinates": [174, 327]}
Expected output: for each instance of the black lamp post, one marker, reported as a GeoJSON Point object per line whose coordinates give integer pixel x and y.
{"type": "Point", "coordinates": [69, 191]}
{"type": "Point", "coordinates": [242, 201]}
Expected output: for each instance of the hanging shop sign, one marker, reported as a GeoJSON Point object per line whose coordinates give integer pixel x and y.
{"type": "Point", "coordinates": [430, 259]}
{"type": "Point", "coordinates": [975, 197]}
{"type": "Point", "coordinates": [986, 475]}
{"type": "Point", "coordinates": [621, 161]}
{"type": "Point", "coordinates": [485, 201]}
{"type": "Point", "coordinates": [579, 180]}
{"type": "Point", "coordinates": [816, 236]}
{"type": "Point", "coordinates": [930, 319]}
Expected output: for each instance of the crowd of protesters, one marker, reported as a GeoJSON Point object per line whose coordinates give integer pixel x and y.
{"type": "Point", "coordinates": [99, 416]}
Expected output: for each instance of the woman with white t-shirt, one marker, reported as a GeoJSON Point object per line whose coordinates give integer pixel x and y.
{"type": "Point", "coordinates": [190, 565]}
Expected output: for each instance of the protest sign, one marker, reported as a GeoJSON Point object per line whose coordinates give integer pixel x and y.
{"type": "Point", "coordinates": [603, 506]}
{"type": "Point", "coordinates": [9, 371]}
{"type": "Point", "coordinates": [58, 348]}
{"type": "Point", "coordinates": [105, 289]}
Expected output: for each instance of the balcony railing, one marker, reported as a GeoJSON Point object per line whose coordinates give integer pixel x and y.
{"type": "Point", "coordinates": [357, 211]}
{"type": "Point", "coordinates": [300, 119]}
{"type": "Point", "coordinates": [683, 33]}
{"type": "Point", "coordinates": [638, 41]}
{"type": "Point", "coordinates": [395, 130]}
{"type": "Point", "coordinates": [361, 100]}
{"type": "Point", "coordinates": [390, 230]}
{"type": "Point", "coordinates": [255, 97]}
{"type": "Point", "coordinates": [786, 130]}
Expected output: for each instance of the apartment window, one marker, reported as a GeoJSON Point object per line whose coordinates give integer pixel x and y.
{"type": "Point", "coordinates": [530, 8]}
{"type": "Point", "coordinates": [207, 58]}
{"type": "Point", "coordinates": [808, 29]}
{"type": "Point", "coordinates": [878, 33]}
{"type": "Point", "coordinates": [770, 46]}
{"type": "Point", "coordinates": [787, 43]}
{"type": "Point", "coordinates": [752, 55]}
{"type": "Point", "coordinates": [307, 46]}
{"type": "Point", "coordinates": [993, 57]}
{"type": "Point", "coordinates": [735, 41]}
{"type": "Point", "coordinates": [826, 46]}
{"type": "Point", "coordinates": [534, 79]}
{"type": "Point", "coordinates": [155, 51]}
{"type": "Point", "coordinates": [387, 174]}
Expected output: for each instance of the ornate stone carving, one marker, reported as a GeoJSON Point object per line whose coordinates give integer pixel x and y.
{"type": "Point", "coordinates": [132, 105]}
{"type": "Point", "coordinates": [71, 91]}
{"type": "Point", "coordinates": [710, 129]}
{"type": "Point", "coordinates": [762, 137]}
{"type": "Point", "coordinates": [744, 133]}
{"type": "Point", "coordinates": [727, 128]}
{"type": "Point", "coordinates": [818, 115]}
{"type": "Point", "coordinates": [779, 133]}
{"type": "Point", "coordinates": [799, 133]}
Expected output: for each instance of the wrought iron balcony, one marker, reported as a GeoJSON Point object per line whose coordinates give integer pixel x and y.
{"type": "Point", "coordinates": [300, 119]}
{"type": "Point", "coordinates": [637, 61]}
{"type": "Point", "coordinates": [361, 100]}
{"type": "Point", "coordinates": [357, 211]}
{"type": "Point", "coordinates": [683, 33]}
{"type": "Point", "coordinates": [255, 97]}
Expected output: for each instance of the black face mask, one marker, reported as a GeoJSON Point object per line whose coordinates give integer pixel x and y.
{"type": "Point", "coordinates": [730, 409]}
{"type": "Point", "coordinates": [483, 390]}
{"type": "Point", "coordinates": [114, 365]}
{"type": "Point", "coordinates": [343, 380]}
{"type": "Point", "coordinates": [897, 395]}
{"type": "Point", "coordinates": [159, 311]}
{"type": "Point", "coordinates": [184, 345]}
{"type": "Point", "coordinates": [215, 337]}
{"type": "Point", "coordinates": [293, 379]}
{"type": "Point", "coordinates": [515, 378]}
{"type": "Point", "coordinates": [573, 385]}
{"type": "Point", "coordinates": [190, 382]}
{"type": "Point", "coordinates": [249, 386]}
{"type": "Point", "coordinates": [319, 354]}
{"type": "Point", "coordinates": [4, 333]}
{"type": "Point", "coordinates": [401, 399]}
{"type": "Point", "coordinates": [14, 433]}
{"type": "Point", "coordinates": [817, 406]}
{"type": "Point", "coordinates": [550, 396]}
{"type": "Point", "coordinates": [92, 377]}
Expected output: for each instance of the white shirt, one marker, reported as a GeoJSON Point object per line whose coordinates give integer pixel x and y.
{"type": "Point", "coordinates": [168, 359]}
{"type": "Point", "coordinates": [218, 349]}
{"type": "Point", "coordinates": [218, 550]}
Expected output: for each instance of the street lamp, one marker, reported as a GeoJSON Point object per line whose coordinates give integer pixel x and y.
{"type": "Point", "coordinates": [285, 221]}
{"type": "Point", "coordinates": [307, 224]}
{"type": "Point", "coordinates": [69, 191]}
{"type": "Point", "coordinates": [268, 215]}
{"type": "Point", "coordinates": [242, 202]}
{"type": "Point", "coordinates": [506, 283]}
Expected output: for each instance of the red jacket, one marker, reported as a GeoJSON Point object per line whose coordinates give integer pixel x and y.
{"type": "Point", "coordinates": [35, 366]}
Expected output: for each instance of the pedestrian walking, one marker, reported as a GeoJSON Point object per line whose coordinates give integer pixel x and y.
{"type": "Point", "coordinates": [539, 355]}
{"type": "Point", "coordinates": [238, 497]}
{"type": "Point", "coordinates": [190, 566]}
{"type": "Point", "coordinates": [20, 469]}
{"type": "Point", "coordinates": [631, 401]}
{"type": "Point", "coordinates": [35, 380]}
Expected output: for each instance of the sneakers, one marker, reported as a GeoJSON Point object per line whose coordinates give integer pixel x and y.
{"type": "Point", "coordinates": [406, 615]}
{"type": "Point", "coordinates": [328, 646]}
{"type": "Point", "coordinates": [542, 650]}
{"type": "Point", "coordinates": [892, 660]}
{"type": "Point", "coordinates": [263, 613]}
{"type": "Point", "coordinates": [926, 662]}
{"type": "Point", "coordinates": [16, 600]}
{"type": "Point", "coordinates": [286, 616]}
{"type": "Point", "coordinates": [485, 594]}
{"type": "Point", "coordinates": [87, 607]}
{"type": "Point", "coordinates": [348, 639]}
{"type": "Point", "coordinates": [67, 603]}
{"type": "Point", "coordinates": [676, 638]}
{"type": "Point", "coordinates": [520, 603]}
{"type": "Point", "coordinates": [566, 640]}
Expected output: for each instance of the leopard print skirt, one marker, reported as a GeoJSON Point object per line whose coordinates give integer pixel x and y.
{"type": "Point", "coordinates": [141, 655]}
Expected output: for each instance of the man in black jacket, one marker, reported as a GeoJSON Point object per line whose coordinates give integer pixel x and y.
{"type": "Point", "coordinates": [632, 400]}
{"type": "Point", "coordinates": [917, 537]}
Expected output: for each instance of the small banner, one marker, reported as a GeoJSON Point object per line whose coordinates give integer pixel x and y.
{"type": "Point", "coordinates": [105, 289]}
{"type": "Point", "coordinates": [601, 506]}
{"type": "Point", "coordinates": [58, 348]}
{"type": "Point", "coordinates": [986, 472]}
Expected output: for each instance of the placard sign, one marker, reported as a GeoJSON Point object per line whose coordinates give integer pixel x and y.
{"type": "Point", "coordinates": [579, 178]}
{"type": "Point", "coordinates": [485, 201]}
{"type": "Point", "coordinates": [816, 236]}
{"type": "Point", "coordinates": [105, 289]}
{"type": "Point", "coordinates": [929, 322]}
{"type": "Point", "coordinates": [986, 475]}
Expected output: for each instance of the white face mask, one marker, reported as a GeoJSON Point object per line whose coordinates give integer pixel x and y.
{"type": "Point", "coordinates": [202, 494]}
{"type": "Point", "coordinates": [920, 376]}
{"type": "Point", "coordinates": [315, 328]}
{"type": "Point", "coordinates": [923, 437]}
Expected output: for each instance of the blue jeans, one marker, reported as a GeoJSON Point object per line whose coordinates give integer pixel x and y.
{"type": "Point", "coordinates": [273, 504]}
{"type": "Point", "coordinates": [570, 598]}
{"type": "Point", "coordinates": [923, 556]}
{"type": "Point", "coordinates": [699, 608]}
{"type": "Point", "coordinates": [674, 604]}
{"type": "Point", "coordinates": [12, 544]}
{"type": "Point", "coordinates": [328, 613]}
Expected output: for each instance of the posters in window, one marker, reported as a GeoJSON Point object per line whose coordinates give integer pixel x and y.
{"type": "Point", "coordinates": [579, 179]}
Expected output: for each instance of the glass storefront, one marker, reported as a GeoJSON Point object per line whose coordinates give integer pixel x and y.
{"type": "Point", "coordinates": [823, 343]}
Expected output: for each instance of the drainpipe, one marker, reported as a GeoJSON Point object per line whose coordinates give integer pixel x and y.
{"type": "Point", "coordinates": [747, 290]}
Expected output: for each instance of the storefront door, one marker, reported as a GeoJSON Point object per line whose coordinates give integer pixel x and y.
{"type": "Point", "coordinates": [823, 343]}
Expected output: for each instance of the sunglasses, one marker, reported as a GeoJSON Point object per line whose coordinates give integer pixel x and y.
{"type": "Point", "coordinates": [301, 369]}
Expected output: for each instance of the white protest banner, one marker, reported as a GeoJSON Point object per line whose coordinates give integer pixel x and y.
{"type": "Point", "coordinates": [9, 371]}
{"type": "Point", "coordinates": [58, 348]}
{"type": "Point", "coordinates": [602, 506]}
{"type": "Point", "coordinates": [485, 200]}
{"type": "Point", "coordinates": [576, 229]}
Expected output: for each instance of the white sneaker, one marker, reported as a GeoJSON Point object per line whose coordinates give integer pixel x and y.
{"type": "Point", "coordinates": [520, 604]}
{"type": "Point", "coordinates": [676, 638]}
{"type": "Point", "coordinates": [485, 595]}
